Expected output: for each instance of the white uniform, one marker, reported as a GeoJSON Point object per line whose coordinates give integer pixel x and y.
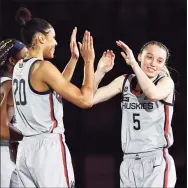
{"type": "Point", "coordinates": [43, 159]}
{"type": "Point", "coordinates": [146, 136]}
{"type": "Point", "coordinates": [7, 177]}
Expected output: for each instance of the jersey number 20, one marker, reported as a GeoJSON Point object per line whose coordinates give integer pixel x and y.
{"type": "Point", "coordinates": [136, 121]}
{"type": "Point", "coordinates": [20, 92]}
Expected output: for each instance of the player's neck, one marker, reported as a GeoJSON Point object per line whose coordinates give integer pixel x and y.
{"type": "Point", "coordinates": [35, 53]}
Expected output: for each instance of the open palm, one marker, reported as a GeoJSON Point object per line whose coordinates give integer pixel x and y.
{"type": "Point", "coordinates": [127, 52]}
{"type": "Point", "coordinates": [73, 44]}
{"type": "Point", "coordinates": [106, 62]}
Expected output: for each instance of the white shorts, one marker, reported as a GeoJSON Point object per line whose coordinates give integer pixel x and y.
{"type": "Point", "coordinates": [44, 161]}
{"type": "Point", "coordinates": [8, 178]}
{"type": "Point", "coordinates": [148, 170]}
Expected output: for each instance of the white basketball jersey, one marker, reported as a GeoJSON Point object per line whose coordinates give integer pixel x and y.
{"type": "Point", "coordinates": [146, 125]}
{"type": "Point", "coordinates": [36, 112]}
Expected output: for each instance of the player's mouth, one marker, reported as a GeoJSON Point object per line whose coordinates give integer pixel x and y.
{"type": "Point", "coordinates": [150, 69]}
{"type": "Point", "coordinates": [53, 49]}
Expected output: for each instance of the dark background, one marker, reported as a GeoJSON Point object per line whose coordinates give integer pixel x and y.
{"type": "Point", "coordinates": [93, 135]}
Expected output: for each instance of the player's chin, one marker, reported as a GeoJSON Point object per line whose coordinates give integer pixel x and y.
{"type": "Point", "coordinates": [151, 75]}
{"type": "Point", "coordinates": [50, 56]}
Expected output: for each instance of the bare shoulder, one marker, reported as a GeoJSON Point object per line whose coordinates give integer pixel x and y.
{"type": "Point", "coordinates": [167, 82]}
{"type": "Point", "coordinates": [42, 67]}
{"type": "Point", "coordinates": [121, 78]}
{"type": "Point", "coordinates": [50, 74]}
{"type": "Point", "coordinates": [5, 89]}
{"type": "Point", "coordinates": [118, 82]}
{"type": "Point", "coordinates": [6, 86]}
{"type": "Point", "coordinates": [46, 66]}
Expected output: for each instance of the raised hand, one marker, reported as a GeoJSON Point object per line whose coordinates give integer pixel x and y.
{"type": "Point", "coordinates": [127, 54]}
{"type": "Point", "coordinates": [73, 45]}
{"type": "Point", "coordinates": [86, 48]}
{"type": "Point", "coordinates": [106, 62]}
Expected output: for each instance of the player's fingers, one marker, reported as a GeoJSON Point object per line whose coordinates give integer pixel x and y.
{"type": "Point", "coordinates": [80, 46]}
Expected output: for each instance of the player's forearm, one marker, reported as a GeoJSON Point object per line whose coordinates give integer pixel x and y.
{"type": "Point", "coordinates": [101, 96]}
{"type": "Point", "coordinates": [88, 83]}
{"type": "Point", "coordinates": [146, 84]}
{"type": "Point", "coordinates": [69, 69]}
{"type": "Point", "coordinates": [4, 115]}
{"type": "Point", "coordinates": [98, 77]}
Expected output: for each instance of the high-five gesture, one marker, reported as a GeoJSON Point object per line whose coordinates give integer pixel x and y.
{"type": "Point", "coordinates": [73, 45]}
{"type": "Point", "coordinates": [86, 48]}
{"type": "Point", "coordinates": [106, 62]}
{"type": "Point", "coordinates": [127, 54]}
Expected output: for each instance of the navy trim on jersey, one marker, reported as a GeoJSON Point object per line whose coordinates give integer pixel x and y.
{"type": "Point", "coordinates": [167, 103]}
{"type": "Point", "coordinates": [124, 82]}
{"type": "Point", "coordinates": [158, 79]}
{"type": "Point", "coordinates": [32, 89]}
{"type": "Point", "coordinates": [162, 101]}
{"type": "Point", "coordinates": [25, 60]}
{"type": "Point", "coordinates": [1, 83]}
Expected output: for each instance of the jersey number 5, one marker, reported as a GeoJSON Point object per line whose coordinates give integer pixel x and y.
{"type": "Point", "coordinates": [19, 90]}
{"type": "Point", "coordinates": [137, 121]}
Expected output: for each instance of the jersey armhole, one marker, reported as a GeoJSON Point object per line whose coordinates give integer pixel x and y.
{"type": "Point", "coordinates": [32, 89]}
{"type": "Point", "coordinates": [162, 101]}
{"type": "Point", "coordinates": [124, 82]}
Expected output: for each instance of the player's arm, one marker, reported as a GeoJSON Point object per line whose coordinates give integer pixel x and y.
{"type": "Point", "coordinates": [81, 97]}
{"type": "Point", "coordinates": [105, 64]}
{"type": "Point", "coordinates": [7, 131]}
{"type": "Point", "coordinates": [4, 130]}
{"type": "Point", "coordinates": [70, 67]}
{"type": "Point", "coordinates": [153, 92]}
{"type": "Point", "coordinates": [107, 92]}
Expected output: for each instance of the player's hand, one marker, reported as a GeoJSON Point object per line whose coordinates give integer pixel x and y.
{"type": "Point", "coordinates": [106, 62]}
{"type": "Point", "coordinates": [73, 45]}
{"type": "Point", "coordinates": [127, 53]}
{"type": "Point", "coordinates": [86, 48]}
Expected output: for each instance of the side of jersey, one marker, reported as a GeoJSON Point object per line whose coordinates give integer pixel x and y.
{"type": "Point", "coordinates": [10, 109]}
{"type": "Point", "coordinates": [36, 112]}
{"type": "Point", "coordinates": [146, 125]}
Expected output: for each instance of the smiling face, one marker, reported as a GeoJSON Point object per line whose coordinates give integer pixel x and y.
{"type": "Point", "coordinates": [50, 43]}
{"type": "Point", "coordinates": [152, 58]}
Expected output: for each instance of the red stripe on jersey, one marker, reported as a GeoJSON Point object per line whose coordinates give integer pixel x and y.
{"type": "Point", "coordinates": [64, 160]}
{"type": "Point", "coordinates": [167, 124]}
{"type": "Point", "coordinates": [52, 112]}
{"type": "Point", "coordinates": [165, 185]}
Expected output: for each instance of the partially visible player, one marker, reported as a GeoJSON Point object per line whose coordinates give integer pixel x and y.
{"type": "Point", "coordinates": [147, 109]}
{"type": "Point", "coordinates": [43, 158]}
{"type": "Point", "coordinates": [11, 51]}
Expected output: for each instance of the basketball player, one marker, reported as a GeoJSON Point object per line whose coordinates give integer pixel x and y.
{"type": "Point", "coordinates": [43, 159]}
{"type": "Point", "coordinates": [147, 109]}
{"type": "Point", "coordinates": [11, 51]}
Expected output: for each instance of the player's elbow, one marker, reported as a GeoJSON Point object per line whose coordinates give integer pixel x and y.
{"type": "Point", "coordinates": [153, 97]}
{"type": "Point", "coordinates": [87, 104]}
{"type": "Point", "coordinates": [86, 98]}
{"type": "Point", "coordinates": [87, 101]}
